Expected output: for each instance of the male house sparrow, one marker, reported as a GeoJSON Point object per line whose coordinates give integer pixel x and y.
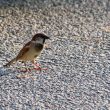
{"type": "Point", "coordinates": [31, 50]}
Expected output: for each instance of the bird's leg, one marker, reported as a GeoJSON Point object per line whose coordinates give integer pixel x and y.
{"type": "Point", "coordinates": [37, 66]}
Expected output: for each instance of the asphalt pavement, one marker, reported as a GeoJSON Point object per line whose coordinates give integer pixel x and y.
{"type": "Point", "coordinates": [77, 57]}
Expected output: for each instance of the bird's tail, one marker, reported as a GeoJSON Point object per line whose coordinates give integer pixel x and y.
{"type": "Point", "coordinates": [9, 63]}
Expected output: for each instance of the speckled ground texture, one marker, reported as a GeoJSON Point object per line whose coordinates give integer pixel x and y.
{"type": "Point", "coordinates": [78, 56]}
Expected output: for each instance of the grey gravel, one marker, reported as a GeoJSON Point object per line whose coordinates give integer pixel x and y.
{"type": "Point", "coordinates": [78, 57]}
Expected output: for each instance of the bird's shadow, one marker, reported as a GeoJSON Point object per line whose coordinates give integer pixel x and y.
{"type": "Point", "coordinates": [3, 71]}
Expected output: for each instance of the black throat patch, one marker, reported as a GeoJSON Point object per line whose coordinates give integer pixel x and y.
{"type": "Point", "coordinates": [38, 47]}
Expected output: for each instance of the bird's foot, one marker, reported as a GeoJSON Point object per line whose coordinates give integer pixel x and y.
{"type": "Point", "coordinates": [37, 67]}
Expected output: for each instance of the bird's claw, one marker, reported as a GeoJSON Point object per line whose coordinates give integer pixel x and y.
{"type": "Point", "coordinates": [39, 68]}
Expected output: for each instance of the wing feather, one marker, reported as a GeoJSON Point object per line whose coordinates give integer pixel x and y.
{"type": "Point", "coordinates": [23, 50]}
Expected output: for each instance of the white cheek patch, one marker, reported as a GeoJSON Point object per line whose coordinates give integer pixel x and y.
{"type": "Point", "coordinates": [40, 41]}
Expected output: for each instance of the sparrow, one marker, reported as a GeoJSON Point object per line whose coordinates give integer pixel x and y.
{"type": "Point", "coordinates": [31, 50]}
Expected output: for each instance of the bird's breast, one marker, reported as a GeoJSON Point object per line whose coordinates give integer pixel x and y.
{"type": "Point", "coordinates": [33, 52]}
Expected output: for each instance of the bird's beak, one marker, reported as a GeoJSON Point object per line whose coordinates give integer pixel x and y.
{"type": "Point", "coordinates": [48, 38]}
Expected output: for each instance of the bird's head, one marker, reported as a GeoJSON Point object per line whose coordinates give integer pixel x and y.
{"type": "Point", "coordinates": [40, 38]}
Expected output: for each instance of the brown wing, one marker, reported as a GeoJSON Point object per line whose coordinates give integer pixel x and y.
{"type": "Point", "coordinates": [23, 50]}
